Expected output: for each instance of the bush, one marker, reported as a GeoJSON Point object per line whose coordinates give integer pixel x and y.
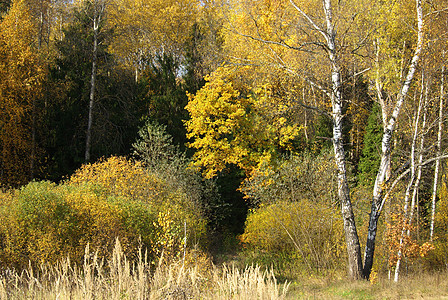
{"type": "Point", "coordinates": [293, 179]}
{"type": "Point", "coordinates": [177, 214]}
{"type": "Point", "coordinates": [47, 222]}
{"type": "Point", "coordinates": [154, 148]}
{"type": "Point", "coordinates": [296, 215]}
{"type": "Point", "coordinates": [310, 233]}
{"type": "Point", "coordinates": [44, 222]}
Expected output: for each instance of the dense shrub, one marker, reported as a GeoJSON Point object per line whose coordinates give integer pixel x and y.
{"type": "Point", "coordinates": [177, 214]}
{"type": "Point", "coordinates": [294, 178]}
{"type": "Point", "coordinates": [309, 232]}
{"type": "Point", "coordinates": [296, 215]}
{"type": "Point", "coordinates": [43, 222]}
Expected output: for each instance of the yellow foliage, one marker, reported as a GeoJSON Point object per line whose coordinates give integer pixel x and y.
{"type": "Point", "coordinates": [145, 27]}
{"type": "Point", "coordinates": [21, 77]}
{"type": "Point", "coordinates": [114, 198]}
{"type": "Point", "coordinates": [231, 123]}
{"type": "Point", "coordinates": [119, 177]}
{"type": "Point", "coordinates": [310, 230]}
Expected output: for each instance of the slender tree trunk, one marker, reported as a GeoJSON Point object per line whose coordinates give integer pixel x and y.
{"type": "Point", "coordinates": [306, 116]}
{"type": "Point", "coordinates": [351, 235]}
{"type": "Point", "coordinates": [414, 201]}
{"type": "Point", "coordinates": [378, 189]}
{"type": "Point", "coordinates": [407, 210]}
{"type": "Point", "coordinates": [34, 104]}
{"type": "Point", "coordinates": [96, 20]}
{"type": "Point", "coordinates": [439, 143]}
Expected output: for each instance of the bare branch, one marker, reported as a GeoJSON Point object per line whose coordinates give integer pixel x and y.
{"type": "Point", "coordinates": [316, 27]}
{"type": "Point", "coordinates": [395, 182]}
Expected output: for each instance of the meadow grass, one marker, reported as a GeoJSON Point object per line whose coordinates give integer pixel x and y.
{"type": "Point", "coordinates": [117, 278]}
{"type": "Point", "coordinates": [195, 277]}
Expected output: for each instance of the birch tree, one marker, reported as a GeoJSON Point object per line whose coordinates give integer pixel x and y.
{"type": "Point", "coordinates": [438, 152]}
{"type": "Point", "coordinates": [414, 181]}
{"type": "Point", "coordinates": [99, 7]}
{"type": "Point", "coordinates": [380, 181]}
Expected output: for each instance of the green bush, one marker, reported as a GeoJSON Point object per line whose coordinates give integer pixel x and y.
{"type": "Point", "coordinates": [114, 198]}
{"type": "Point", "coordinates": [45, 222]}
{"type": "Point", "coordinates": [155, 149]}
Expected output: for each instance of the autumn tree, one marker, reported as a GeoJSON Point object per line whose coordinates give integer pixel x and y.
{"type": "Point", "coordinates": [22, 73]}
{"type": "Point", "coordinates": [145, 29]}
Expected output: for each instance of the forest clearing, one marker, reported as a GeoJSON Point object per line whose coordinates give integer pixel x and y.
{"type": "Point", "coordinates": [235, 149]}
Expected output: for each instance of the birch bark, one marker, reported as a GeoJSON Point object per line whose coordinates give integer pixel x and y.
{"type": "Point", "coordinates": [378, 189]}
{"type": "Point", "coordinates": [439, 152]}
{"type": "Point", "coordinates": [351, 235]}
{"type": "Point", "coordinates": [98, 14]}
{"type": "Point", "coordinates": [413, 182]}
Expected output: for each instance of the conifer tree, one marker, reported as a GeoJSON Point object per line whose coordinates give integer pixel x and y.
{"type": "Point", "coordinates": [370, 158]}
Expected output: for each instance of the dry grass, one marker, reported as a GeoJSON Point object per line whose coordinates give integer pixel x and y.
{"type": "Point", "coordinates": [415, 286]}
{"type": "Point", "coordinates": [119, 279]}
{"type": "Point", "coordinates": [196, 278]}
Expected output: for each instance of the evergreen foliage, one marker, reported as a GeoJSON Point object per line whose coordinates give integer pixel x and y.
{"type": "Point", "coordinates": [370, 158]}
{"type": "Point", "coordinates": [164, 95]}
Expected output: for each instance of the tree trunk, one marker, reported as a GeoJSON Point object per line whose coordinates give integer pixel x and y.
{"type": "Point", "coordinates": [414, 201]}
{"type": "Point", "coordinates": [439, 143]}
{"type": "Point", "coordinates": [34, 109]}
{"type": "Point", "coordinates": [96, 21]}
{"type": "Point", "coordinates": [378, 189]}
{"type": "Point", "coordinates": [407, 211]}
{"type": "Point", "coordinates": [351, 235]}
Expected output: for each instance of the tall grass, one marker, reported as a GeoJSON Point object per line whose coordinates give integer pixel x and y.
{"type": "Point", "coordinates": [118, 278]}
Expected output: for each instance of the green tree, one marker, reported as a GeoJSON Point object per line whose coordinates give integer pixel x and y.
{"type": "Point", "coordinates": [370, 158]}
{"type": "Point", "coordinates": [4, 6]}
{"type": "Point", "coordinates": [164, 95]}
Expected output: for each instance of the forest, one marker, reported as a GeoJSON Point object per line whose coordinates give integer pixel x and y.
{"type": "Point", "coordinates": [239, 149]}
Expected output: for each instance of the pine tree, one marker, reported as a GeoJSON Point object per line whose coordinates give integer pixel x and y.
{"type": "Point", "coordinates": [370, 158]}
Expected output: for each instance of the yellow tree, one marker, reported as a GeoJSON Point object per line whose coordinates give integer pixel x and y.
{"type": "Point", "coordinates": [144, 28]}
{"type": "Point", "coordinates": [21, 76]}
{"type": "Point", "coordinates": [238, 123]}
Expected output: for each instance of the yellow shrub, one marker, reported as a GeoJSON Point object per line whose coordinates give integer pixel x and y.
{"type": "Point", "coordinates": [309, 231]}
{"type": "Point", "coordinates": [121, 177]}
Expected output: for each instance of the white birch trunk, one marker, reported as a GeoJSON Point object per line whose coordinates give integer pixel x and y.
{"type": "Point", "coordinates": [408, 211]}
{"type": "Point", "coordinates": [351, 235]}
{"type": "Point", "coordinates": [414, 201]}
{"type": "Point", "coordinates": [98, 11]}
{"type": "Point", "coordinates": [437, 166]}
{"type": "Point", "coordinates": [378, 189]}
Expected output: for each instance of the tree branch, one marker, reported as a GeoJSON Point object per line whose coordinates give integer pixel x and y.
{"type": "Point", "coordinates": [395, 182]}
